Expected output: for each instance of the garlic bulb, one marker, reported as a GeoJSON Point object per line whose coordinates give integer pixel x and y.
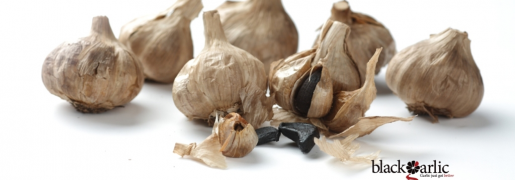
{"type": "Point", "coordinates": [162, 42]}
{"type": "Point", "coordinates": [437, 76]}
{"type": "Point", "coordinates": [222, 79]}
{"type": "Point", "coordinates": [94, 73]}
{"type": "Point", "coordinates": [322, 86]}
{"type": "Point", "coordinates": [236, 136]}
{"type": "Point", "coordinates": [366, 35]}
{"type": "Point", "coordinates": [260, 27]}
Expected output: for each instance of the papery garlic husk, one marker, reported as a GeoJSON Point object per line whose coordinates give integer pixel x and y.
{"type": "Point", "coordinates": [94, 73]}
{"type": "Point", "coordinates": [437, 76]}
{"type": "Point", "coordinates": [335, 102]}
{"type": "Point", "coordinates": [222, 79]}
{"type": "Point", "coordinates": [344, 150]}
{"type": "Point", "coordinates": [163, 42]}
{"type": "Point", "coordinates": [237, 137]}
{"type": "Point", "coordinates": [366, 35]}
{"type": "Point", "coordinates": [260, 27]}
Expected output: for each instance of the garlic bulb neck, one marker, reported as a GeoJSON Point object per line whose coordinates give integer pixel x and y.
{"type": "Point", "coordinates": [266, 4]}
{"type": "Point", "coordinates": [186, 8]}
{"type": "Point", "coordinates": [213, 30]}
{"type": "Point", "coordinates": [100, 27]}
{"type": "Point", "coordinates": [452, 39]}
{"type": "Point", "coordinates": [341, 12]}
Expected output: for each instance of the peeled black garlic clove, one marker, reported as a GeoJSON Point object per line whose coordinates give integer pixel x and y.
{"type": "Point", "coordinates": [260, 27]}
{"type": "Point", "coordinates": [94, 73]}
{"type": "Point", "coordinates": [367, 34]}
{"type": "Point", "coordinates": [222, 79]}
{"type": "Point", "coordinates": [267, 134]}
{"type": "Point", "coordinates": [163, 41]}
{"type": "Point", "coordinates": [437, 76]}
{"type": "Point", "coordinates": [302, 133]}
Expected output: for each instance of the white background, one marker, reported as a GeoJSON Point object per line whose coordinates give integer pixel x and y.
{"type": "Point", "coordinates": [43, 137]}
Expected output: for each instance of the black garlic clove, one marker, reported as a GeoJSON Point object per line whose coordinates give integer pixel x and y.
{"type": "Point", "coordinates": [303, 97]}
{"type": "Point", "coordinates": [267, 134]}
{"type": "Point", "coordinates": [302, 133]}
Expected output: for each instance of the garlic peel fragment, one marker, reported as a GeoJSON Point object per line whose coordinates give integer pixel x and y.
{"type": "Point", "coordinates": [207, 151]}
{"type": "Point", "coordinates": [366, 125]}
{"type": "Point", "coordinates": [344, 150]}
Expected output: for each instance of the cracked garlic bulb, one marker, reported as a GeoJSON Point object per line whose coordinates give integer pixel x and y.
{"type": "Point", "coordinates": [366, 35]}
{"type": "Point", "coordinates": [94, 73]}
{"type": "Point", "coordinates": [222, 79]}
{"type": "Point", "coordinates": [437, 76]}
{"type": "Point", "coordinates": [322, 86]}
{"type": "Point", "coordinates": [162, 42]}
{"type": "Point", "coordinates": [260, 27]}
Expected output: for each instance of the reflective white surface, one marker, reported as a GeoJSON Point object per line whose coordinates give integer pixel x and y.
{"type": "Point", "coordinates": [43, 137]}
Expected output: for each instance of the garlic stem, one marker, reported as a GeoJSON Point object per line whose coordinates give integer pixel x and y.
{"type": "Point", "coordinates": [341, 12]}
{"type": "Point", "coordinates": [101, 27]}
{"type": "Point", "coordinates": [213, 29]}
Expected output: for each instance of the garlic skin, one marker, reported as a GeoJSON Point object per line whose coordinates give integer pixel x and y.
{"type": "Point", "coordinates": [260, 27]}
{"type": "Point", "coordinates": [366, 35]}
{"type": "Point", "coordinates": [437, 76]}
{"type": "Point", "coordinates": [163, 42]}
{"type": "Point", "coordinates": [222, 79]}
{"type": "Point", "coordinates": [237, 137]}
{"type": "Point", "coordinates": [94, 73]}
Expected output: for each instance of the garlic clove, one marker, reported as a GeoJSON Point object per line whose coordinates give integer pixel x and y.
{"type": "Point", "coordinates": [238, 138]}
{"type": "Point", "coordinates": [333, 53]}
{"type": "Point", "coordinates": [260, 27]}
{"type": "Point", "coordinates": [222, 79]}
{"type": "Point", "coordinates": [350, 106]}
{"type": "Point", "coordinates": [163, 42]}
{"type": "Point", "coordinates": [437, 76]}
{"type": "Point", "coordinates": [94, 73]}
{"type": "Point", "coordinates": [367, 34]}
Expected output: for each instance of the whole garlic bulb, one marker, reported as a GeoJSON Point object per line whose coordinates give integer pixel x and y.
{"type": "Point", "coordinates": [163, 42]}
{"type": "Point", "coordinates": [366, 35]}
{"type": "Point", "coordinates": [437, 76]}
{"type": "Point", "coordinates": [260, 27]}
{"type": "Point", "coordinates": [222, 79]}
{"type": "Point", "coordinates": [94, 73]}
{"type": "Point", "coordinates": [237, 137]}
